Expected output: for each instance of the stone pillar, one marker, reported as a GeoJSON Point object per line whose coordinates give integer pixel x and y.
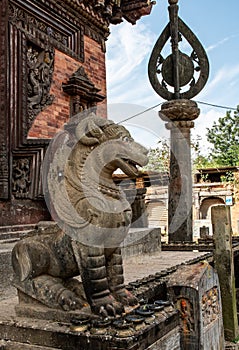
{"type": "Point", "coordinates": [223, 262]}
{"type": "Point", "coordinates": [179, 115]}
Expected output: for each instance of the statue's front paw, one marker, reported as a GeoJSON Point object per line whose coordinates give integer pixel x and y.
{"type": "Point", "coordinates": [107, 306]}
{"type": "Point", "coordinates": [68, 300]}
{"type": "Point", "coordinates": [126, 298]}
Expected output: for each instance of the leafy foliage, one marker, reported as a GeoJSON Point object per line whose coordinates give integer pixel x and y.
{"type": "Point", "coordinates": [224, 136]}
{"type": "Point", "coordinates": [159, 157]}
{"type": "Point", "coordinates": [199, 161]}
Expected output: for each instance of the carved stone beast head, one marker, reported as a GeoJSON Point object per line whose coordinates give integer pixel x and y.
{"type": "Point", "coordinates": [115, 146]}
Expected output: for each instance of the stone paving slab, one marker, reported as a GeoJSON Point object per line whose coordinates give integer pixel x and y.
{"type": "Point", "coordinates": [141, 266]}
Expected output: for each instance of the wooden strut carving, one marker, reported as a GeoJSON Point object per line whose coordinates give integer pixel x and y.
{"type": "Point", "coordinates": [94, 217]}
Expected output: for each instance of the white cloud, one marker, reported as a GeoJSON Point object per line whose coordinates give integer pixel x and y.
{"type": "Point", "coordinates": [127, 48]}
{"type": "Point", "coordinates": [128, 51]}
{"type": "Point", "coordinates": [218, 90]}
{"type": "Point", "coordinates": [204, 121]}
{"type": "Point", "coordinates": [219, 43]}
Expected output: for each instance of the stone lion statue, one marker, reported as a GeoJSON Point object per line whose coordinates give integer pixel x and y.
{"type": "Point", "coordinates": [92, 215]}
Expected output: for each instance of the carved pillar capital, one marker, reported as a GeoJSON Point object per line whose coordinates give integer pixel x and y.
{"type": "Point", "coordinates": [182, 124]}
{"type": "Point", "coordinates": [179, 110]}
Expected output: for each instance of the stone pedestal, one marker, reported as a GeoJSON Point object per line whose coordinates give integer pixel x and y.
{"type": "Point", "coordinates": [158, 331]}
{"type": "Point", "coordinates": [196, 292]}
{"type": "Point", "coordinates": [179, 115]}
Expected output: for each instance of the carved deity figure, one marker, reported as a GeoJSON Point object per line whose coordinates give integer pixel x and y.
{"type": "Point", "coordinates": [40, 64]}
{"type": "Point", "coordinates": [93, 218]}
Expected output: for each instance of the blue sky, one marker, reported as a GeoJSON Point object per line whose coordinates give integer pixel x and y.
{"type": "Point", "coordinates": [128, 50]}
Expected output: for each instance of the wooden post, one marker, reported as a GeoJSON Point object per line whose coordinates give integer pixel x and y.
{"type": "Point", "coordinates": [223, 262]}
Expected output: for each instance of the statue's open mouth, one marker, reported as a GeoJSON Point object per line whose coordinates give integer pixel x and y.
{"type": "Point", "coordinates": [129, 167]}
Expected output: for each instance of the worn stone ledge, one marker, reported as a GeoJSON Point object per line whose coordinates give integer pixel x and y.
{"type": "Point", "coordinates": [60, 336]}
{"type": "Point", "coordinates": [9, 345]}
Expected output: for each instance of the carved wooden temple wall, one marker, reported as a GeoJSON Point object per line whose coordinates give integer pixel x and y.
{"type": "Point", "coordinates": [52, 65]}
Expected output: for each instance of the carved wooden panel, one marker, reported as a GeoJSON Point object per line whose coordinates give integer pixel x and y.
{"type": "Point", "coordinates": [26, 174]}
{"type": "Point", "coordinates": [3, 170]}
{"type": "Point", "coordinates": [49, 29]}
{"type": "Point", "coordinates": [40, 66]}
{"type": "Point", "coordinates": [4, 126]}
{"type": "Point", "coordinates": [31, 30]}
{"type": "Point", "coordinates": [21, 179]}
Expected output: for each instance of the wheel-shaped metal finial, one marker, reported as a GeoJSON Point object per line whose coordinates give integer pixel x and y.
{"type": "Point", "coordinates": [178, 70]}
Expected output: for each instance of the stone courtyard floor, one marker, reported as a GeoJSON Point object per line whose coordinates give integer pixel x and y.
{"type": "Point", "coordinates": [135, 267]}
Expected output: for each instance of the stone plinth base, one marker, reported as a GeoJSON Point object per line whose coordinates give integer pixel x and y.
{"type": "Point", "coordinates": [195, 290]}
{"type": "Point", "coordinates": [162, 332]}
{"type": "Point", "coordinates": [12, 345]}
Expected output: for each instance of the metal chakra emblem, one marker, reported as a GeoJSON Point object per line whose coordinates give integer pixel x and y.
{"type": "Point", "coordinates": [180, 75]}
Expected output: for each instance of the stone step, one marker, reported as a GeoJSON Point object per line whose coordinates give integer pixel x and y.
{"type": "Point", "coordinates": [10, 345]}
{"type": "Point", "coordinates": [12, 237]}
{"type": "Point", "coordinates": [21, 231]}
{"type": "Point", "coordinates": [8, 235]}
{"type": "Point", "coordinates": [13, 228]}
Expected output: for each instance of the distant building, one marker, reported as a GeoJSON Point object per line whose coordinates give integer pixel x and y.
{"type": "Point", "coordinates": [215, 186]}
{"type": "Point", "coordinates": [211, 187]}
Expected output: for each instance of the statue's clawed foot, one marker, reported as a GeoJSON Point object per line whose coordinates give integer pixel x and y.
{"type": "Point", "coordinates": [125, 297]}
{"type": "Point", "coordinates": [69, 301]}
{"type": "Point", "coordinates": [76, 287]}
{"type": "Point", "coordinates": [53, 292]}
{"type": "Point", "coordinates": [107, 306]}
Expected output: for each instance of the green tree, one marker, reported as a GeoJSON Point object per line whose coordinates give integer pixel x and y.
{"type": "Point", "coordinates": [159, 157]}
{"type": "Point", "coordinates": [199, 160]}
{"type": "Point", "coordinates": [224, 137]}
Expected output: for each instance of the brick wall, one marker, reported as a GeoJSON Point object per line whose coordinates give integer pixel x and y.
{"type": "Point", "coordinates": [95, 64]}
{"type": "Point", "coordinates": [52, 119]}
